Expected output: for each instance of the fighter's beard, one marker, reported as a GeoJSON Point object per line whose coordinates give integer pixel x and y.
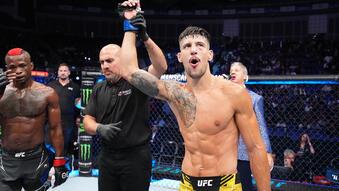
{"type": "Point", "coordinates": [112, 80]}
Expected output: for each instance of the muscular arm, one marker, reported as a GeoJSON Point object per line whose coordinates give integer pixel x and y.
{"type": "Point", "coordinates": [90, 124]}
{"type": "Point", "coordinates": [146, 82]}
{"type": "Point", "coordinates": [159, 64]}
{"type": "Point", "coordinates": [54, 120]}
{"type": "Point", "coordinates": [173, 92]}
{"type": "Point", "coordinates": [248, 126]}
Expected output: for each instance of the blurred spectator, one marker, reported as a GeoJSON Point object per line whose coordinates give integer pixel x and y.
{"type": "Point", "coordinates": [304, 159]}
{"type": "Point", "coordinates": [289, 157]}
{"type": "Point", "coordinates": [284, 172]}
{"type": "Point", "coordinates": [305, 146]}
{"type": "Point", "coordinates": [274, 57]}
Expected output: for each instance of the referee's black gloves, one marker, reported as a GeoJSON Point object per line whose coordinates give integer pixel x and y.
{"type": "Point", "coordinates": [109, 131]}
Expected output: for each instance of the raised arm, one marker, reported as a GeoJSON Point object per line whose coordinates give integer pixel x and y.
{"type": "Point", "coordinates": [249, 130]}
{"type": "Point", "coordinates": [146, 82]}
{"type": "Point", "coordinates": [134, 23]}
{"type": "Point", "coordinates": [54, 120]}
{"type": "Point", "coordinates": [159, 64]}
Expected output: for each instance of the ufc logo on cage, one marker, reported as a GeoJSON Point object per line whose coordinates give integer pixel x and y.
{"type": "Point", "coordinates": [203, 183]}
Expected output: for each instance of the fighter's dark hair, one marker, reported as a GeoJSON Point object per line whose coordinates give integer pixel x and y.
{"type": "Point", "coordinates": [64, 64]}
{"type": "Point", "coordinates": [194, 30]}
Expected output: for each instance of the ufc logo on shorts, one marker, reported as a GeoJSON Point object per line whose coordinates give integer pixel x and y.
{"type": "Point", "coordinates": [203, 183]}
{"type": "Point", "coordinates": [18, 155]}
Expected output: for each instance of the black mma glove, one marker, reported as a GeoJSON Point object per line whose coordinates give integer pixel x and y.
{"type": "Point", "coordinates": [140, 22]}
{"type": "Point", "coordinates": [122, 9]}
{"type": "Point", "coordinates": [127, 23]}
{"type": "Point", "coordinates": [109, 131]}
{"type": "Point", "coordinates": [3, 82]}
{"type": "Point", "coordinates": [61, 172]}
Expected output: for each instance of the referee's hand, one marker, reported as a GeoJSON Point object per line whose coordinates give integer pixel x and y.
{"type": "Point", "coordinates": [109, 131]}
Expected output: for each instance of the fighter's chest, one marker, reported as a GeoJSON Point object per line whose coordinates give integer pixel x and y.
{"type": "Point", "coordinates": [214, 111]}
{"type": "Point", "coordinates": [22, 103]}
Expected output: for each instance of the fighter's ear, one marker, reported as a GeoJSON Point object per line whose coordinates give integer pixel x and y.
{"type": "Point", "coordinates": [210, 55]}
{"type": "Point", "coordinates": [32, 65]}
{"type": "Point", "coordinates": [246, 78]}
{"type": "Point", "coordinates": [179, 57]}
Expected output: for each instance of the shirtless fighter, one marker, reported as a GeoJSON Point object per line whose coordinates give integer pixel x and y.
{"type": "Point", "coordinates": [211, 112]}
{"type": "Point", "coordinates": [24, 107]}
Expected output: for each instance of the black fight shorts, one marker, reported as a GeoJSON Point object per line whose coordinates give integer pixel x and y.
{"type": "Point", "coordinates": [28, 169]}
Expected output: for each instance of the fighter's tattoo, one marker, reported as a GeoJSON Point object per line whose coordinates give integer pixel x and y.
{"type": "Point", "coordinates": [185, 102]}
{"type": "Point", "coordinates": [29, 103]}
{"type": "Point", "coordinates": [145, 82]}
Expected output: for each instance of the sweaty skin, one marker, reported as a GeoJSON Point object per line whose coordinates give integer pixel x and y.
{"type": "Point", "coordinates": [24, 108]}
{"type": "Point", "coordinates": [210, 112]}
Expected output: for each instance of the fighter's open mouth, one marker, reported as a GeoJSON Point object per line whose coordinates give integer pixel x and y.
{"type": "Point", "coordinates": [194, 60]}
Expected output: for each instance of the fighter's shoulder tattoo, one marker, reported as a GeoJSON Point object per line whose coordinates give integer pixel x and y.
{"type": "Point", "coordinates": [184, 100]}
{"type": "Point", "coordinates": [145, 82]}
